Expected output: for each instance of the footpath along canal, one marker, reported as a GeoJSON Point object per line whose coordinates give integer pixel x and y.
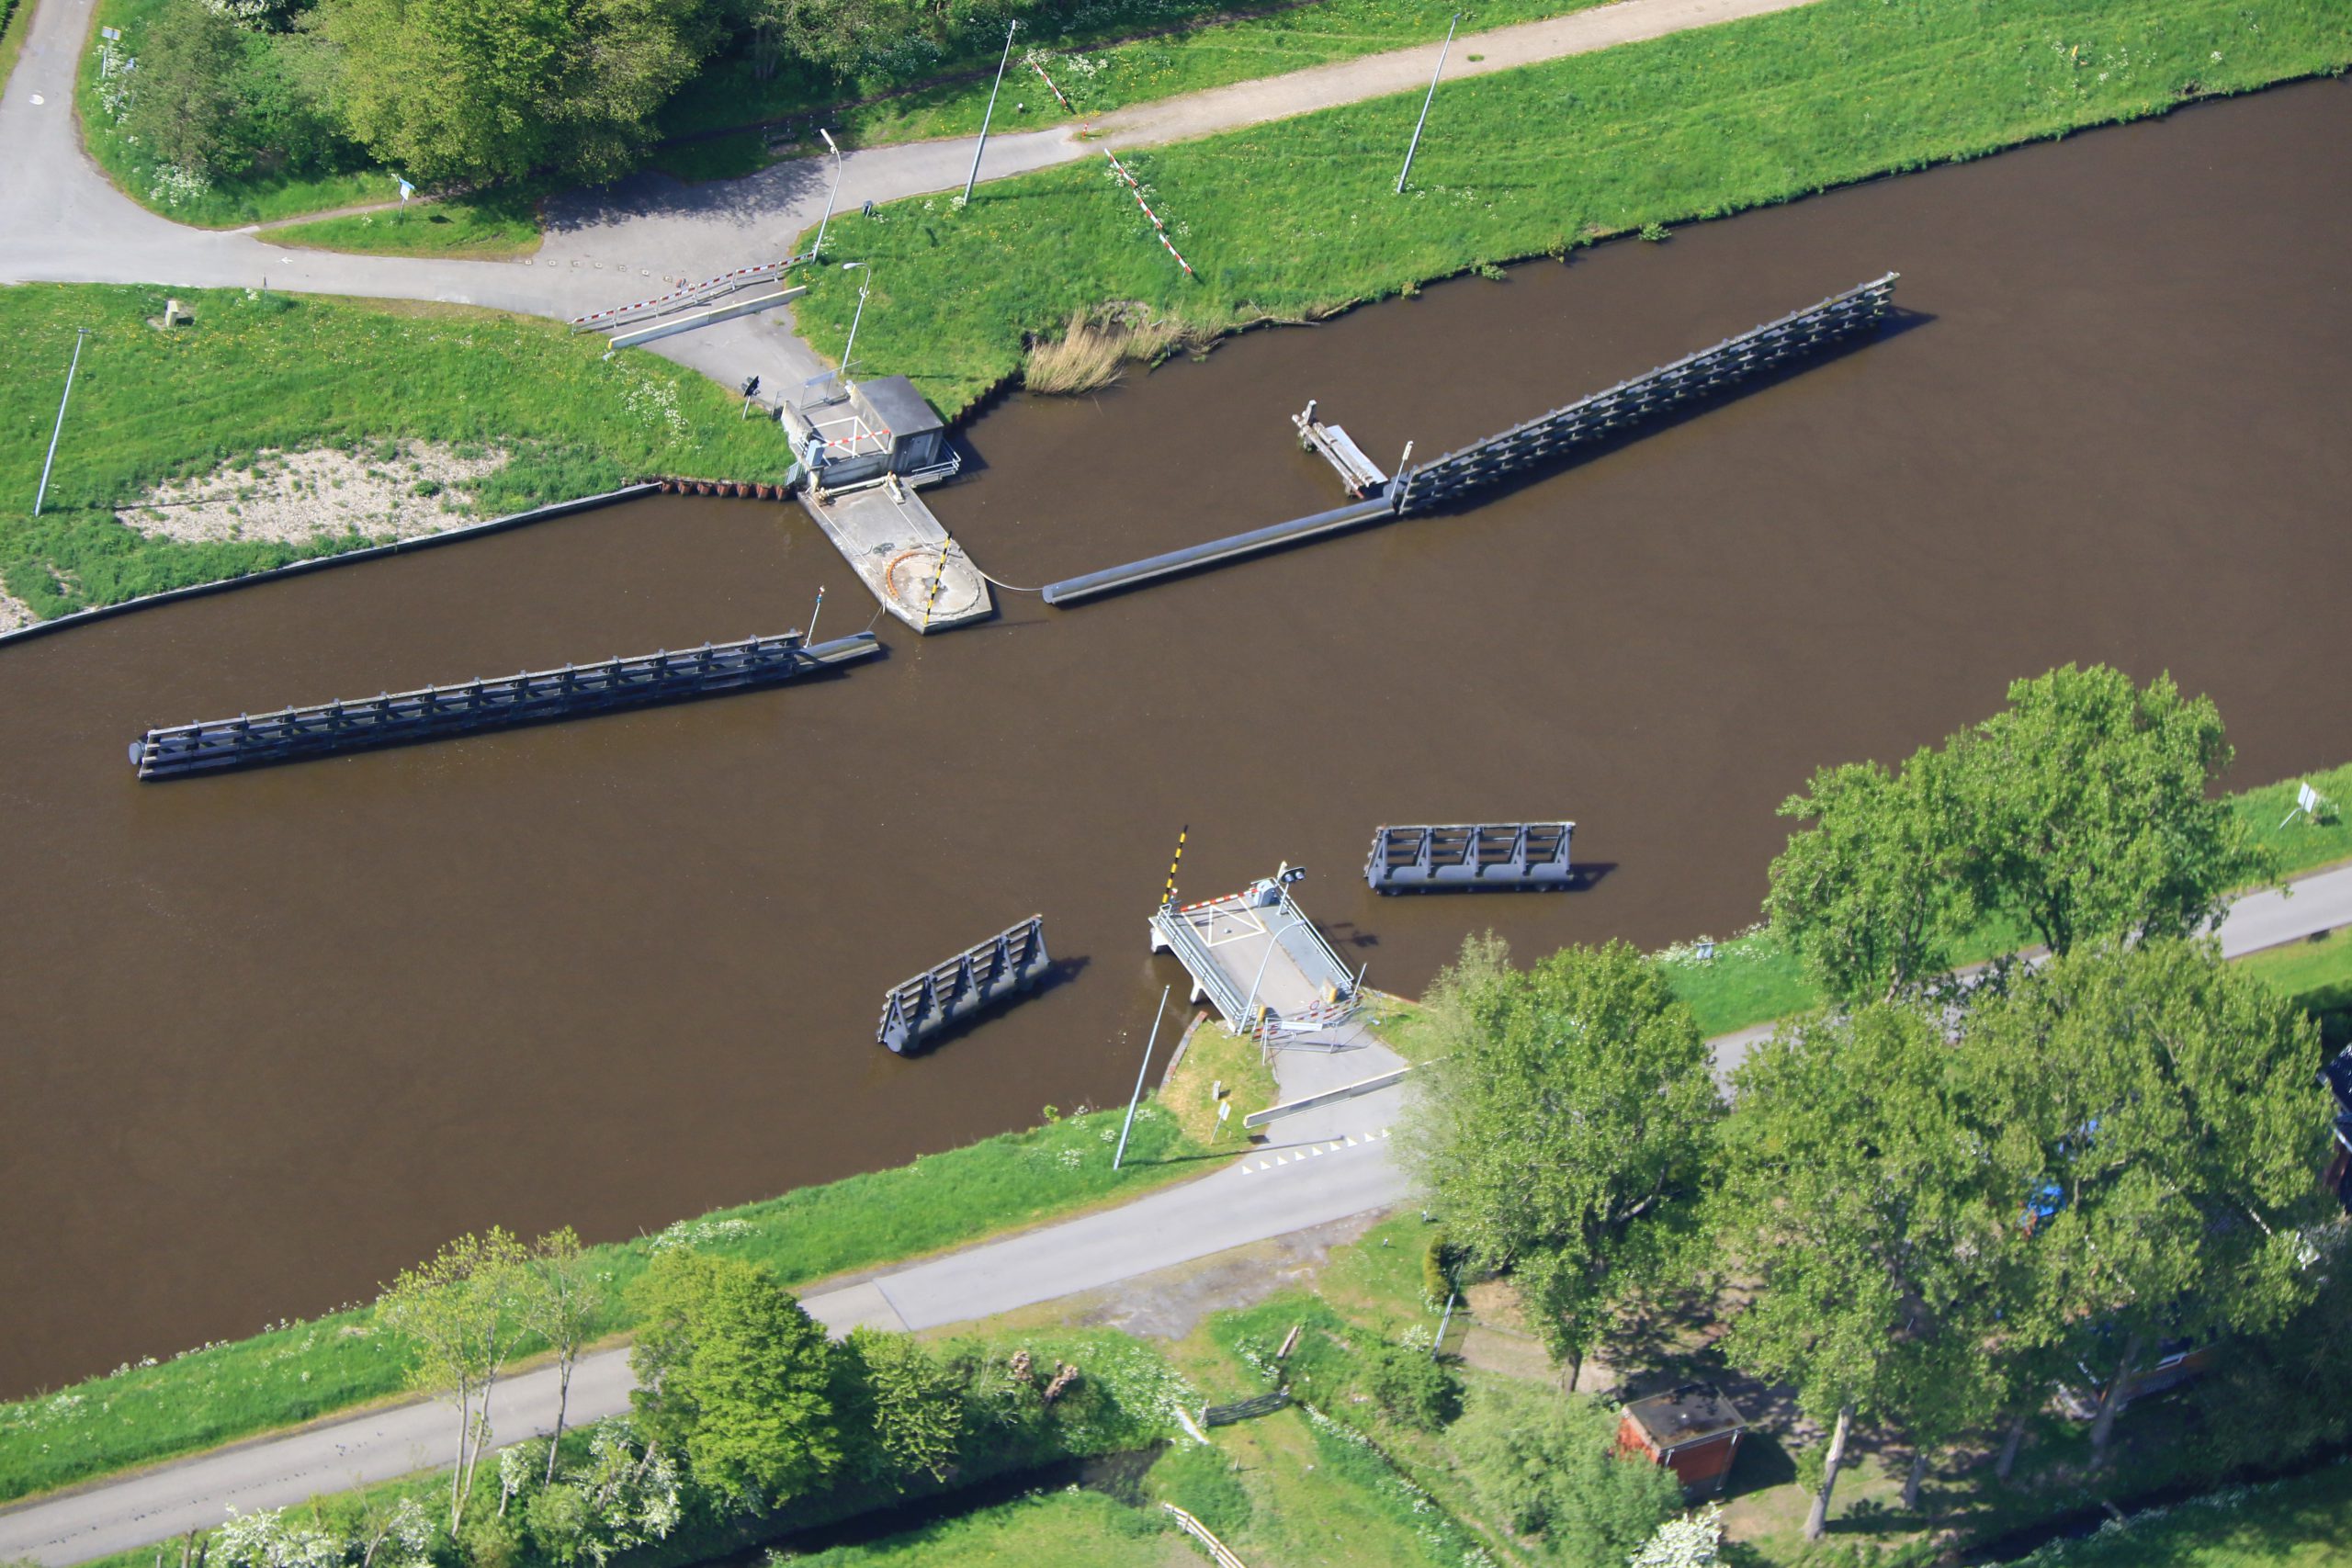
{"type": "Point", "coordinates": [272, 1034]}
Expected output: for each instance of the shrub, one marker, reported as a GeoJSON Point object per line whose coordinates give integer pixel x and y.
{"type": "Point", "coordinates": [1410, 1387]}
{"type": "Point", "coordinates": [1547, 1463]}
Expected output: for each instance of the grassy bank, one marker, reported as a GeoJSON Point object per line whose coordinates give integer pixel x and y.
{"type": "Point", "coordinates": [282, 371]}
{"type": "Point", "coordinates": [2303, 1523]}
{"type": "Point", "coordinates": [489, 226]}
{"type": "Point", "coordinates": [1296, 220]}
{"type": "Point", "coordinates": [1168, 48]}
{"type": "Point", "coordinates": [15, 16]}
{"type": "Point", "coordinates": [304, 1370]}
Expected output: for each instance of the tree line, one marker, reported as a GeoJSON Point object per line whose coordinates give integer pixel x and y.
{"type": "Point", "coordinates": [475, 92]}
{"type": "Point", "coordinates": [744, 1405]}
{"type": "Point", "coordinates": [1927, 1204]}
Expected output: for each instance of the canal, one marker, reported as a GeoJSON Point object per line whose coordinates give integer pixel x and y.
{"type": "Point", "coordinates": [269, 1036]}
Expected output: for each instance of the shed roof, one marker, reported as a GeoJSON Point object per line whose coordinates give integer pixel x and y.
{"type": "Point", "coordinates": [897, 407]}
{"type": "Point", "coordinates": [1695, 1410]}
{"type": "Point", "coordinates": [2337, 1074]}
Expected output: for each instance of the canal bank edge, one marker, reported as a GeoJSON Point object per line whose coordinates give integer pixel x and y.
{"type": "Point", "coordinates": [1165, 1155]}
{"type": "Point", "coordinates": [970, 285]}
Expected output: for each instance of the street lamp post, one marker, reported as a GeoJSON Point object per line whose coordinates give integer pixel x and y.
{"type": "Point", "coordinates": [973, 178]}
{"type": "Point", "coordinates": [1414, 146]}
{"type": "Point", "coordinates": [850, 347]}
{"type": "Point", "coordinates": [817, 251]}
{"type": "Point", "coordinates": [1248, 1007]}
{"type": "Point", "coordinates": [42, 493]}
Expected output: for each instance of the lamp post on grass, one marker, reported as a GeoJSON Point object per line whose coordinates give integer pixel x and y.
{"type": "Point", "coordinates": [973, 178]}
{"type": "Point", "coordinates": [1414, 146]}
{"type": "Point", "coordinates": [864, 286]}
{"type": "Point", "coordinates": [42, 494]}
{"type": "Point", "coordinates": [817, 251]}
{"type": "Point", "coordinates": [1137, 1097]}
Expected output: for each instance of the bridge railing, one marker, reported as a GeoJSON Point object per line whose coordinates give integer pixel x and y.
{"type": "Point", "coordinates": [1539, 440]}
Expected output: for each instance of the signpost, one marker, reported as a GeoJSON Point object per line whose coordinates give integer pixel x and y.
{"type": "Point", "coordinates": [2308, 804]}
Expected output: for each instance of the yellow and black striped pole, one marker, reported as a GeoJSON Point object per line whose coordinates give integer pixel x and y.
{"type": "Point", "coordinates": [1169, 896]}
{"type": "Point", "coordinates": [936, 578]}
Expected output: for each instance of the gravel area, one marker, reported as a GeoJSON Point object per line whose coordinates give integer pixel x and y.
{"type": "Point", "coordinates": [394, 490]}
{"type": "Point", "coordinates": [14, 612]}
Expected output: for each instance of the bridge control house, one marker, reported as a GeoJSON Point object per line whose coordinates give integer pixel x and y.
{"type": "Point", "coordinates": [883, 427]}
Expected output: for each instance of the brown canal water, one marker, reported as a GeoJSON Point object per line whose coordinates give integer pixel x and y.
{"type": "Point", "coordinates": [269, 1036]}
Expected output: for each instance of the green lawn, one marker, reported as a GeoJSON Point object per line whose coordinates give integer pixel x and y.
{"type": "Point", "coordinates": [1068, 1528]}
{"type": "Point", "coordinates": [1296, 220]}
{"type": "Point", "coordinates": [284, 371]}
{"type": "Point", "coordinates": [489, 226]}
{"type": "Point", "coordinates": [15, 16]}
{"type": "Point", "coordinates": [307, 1369]}
{"type": "Point", "coordinates": [2303, 1523]}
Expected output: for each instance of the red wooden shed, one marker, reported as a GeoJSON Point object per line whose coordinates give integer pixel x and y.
{"type": "Point", "coordinates": [1693, 1431]}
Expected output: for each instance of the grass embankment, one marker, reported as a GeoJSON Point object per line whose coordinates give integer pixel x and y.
{"type": "Point", "coordinates": [294, 372]}
{"type": "Point", "coordinates": [1754, 979]}
{"type": "Point", "coordinates": [492, 225]}
{"type": "Point", "coordinates": [1170, 49]}
{"type": "Point", "coordinates": [307, 1369]}
{"type": "Point", "coordinates": [1218, 1068]}
{"type": "Point", "coordinates": [2303, 1523]}
{"type": "Point", "coordinates": [16, 16]}
{"type": "Point", "coordinates": [1298, 220]}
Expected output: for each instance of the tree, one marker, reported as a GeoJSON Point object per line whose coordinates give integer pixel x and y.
{"type": "Point", "coordinates": [1563, 1127]}
{"type": "Point", "coordinates": [561, 1307]}
{"type": "Point", "coordinates": [732, 1374]}
{"type": "Point", "coordinates": [1548, 1464]}
{"type": "Point", "coordinates": [461, 1312]}
{"type": "Point", "coordinates": [484, 90]}
{"type": "Point", "coordinates": [185, 95]}
{"type": "Point", "coordinates": [1854, 1188]}
{"type": "Point", "coordinates": [835, 34]}
{"type": "Point", "coordinates": [2079, 812]}
{"type": "Point", "coordinates": [1874, 897]}
{"type": "Point", "coordinates": [914, 1402]}
{"type": "Point", "coordinates": [2092, 813]}
{"type": "Point", "coordinates": [2164, 1101]}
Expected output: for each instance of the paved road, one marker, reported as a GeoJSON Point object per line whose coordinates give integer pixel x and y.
{"type": "Point", "coordinates": [1321, 1165]}
{"type": "Point", "coordinates": [61, 220]}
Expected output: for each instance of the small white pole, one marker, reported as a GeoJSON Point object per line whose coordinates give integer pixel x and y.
{"type": "Point", "coordinates": [1137, 1097]}
{"type": "Point", "coordinates": [1414, 145]}
{"type": "Point", "coordinates": [1438, 1348]}
{"type": "Point", "coordinates": [819, 610]}
{"type": "Point", "coordinates": [42, 494]}
{"type": "Point", "coordinates": [863, 284]}
{"type": "Point", "coordinates": [973, 178]}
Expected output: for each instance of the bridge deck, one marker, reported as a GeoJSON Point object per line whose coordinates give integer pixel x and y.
{"type": "Point", "coordinates": [896, 546]}
{"type": "Point", "coordinates": [1245, 954]}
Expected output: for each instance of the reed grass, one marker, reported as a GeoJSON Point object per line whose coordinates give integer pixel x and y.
{"type": "Point", "coordinates": [1096, 347]}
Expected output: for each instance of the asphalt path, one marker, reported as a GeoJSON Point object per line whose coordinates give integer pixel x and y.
{"type": "Point", "coordinates": [1318, 1167]}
